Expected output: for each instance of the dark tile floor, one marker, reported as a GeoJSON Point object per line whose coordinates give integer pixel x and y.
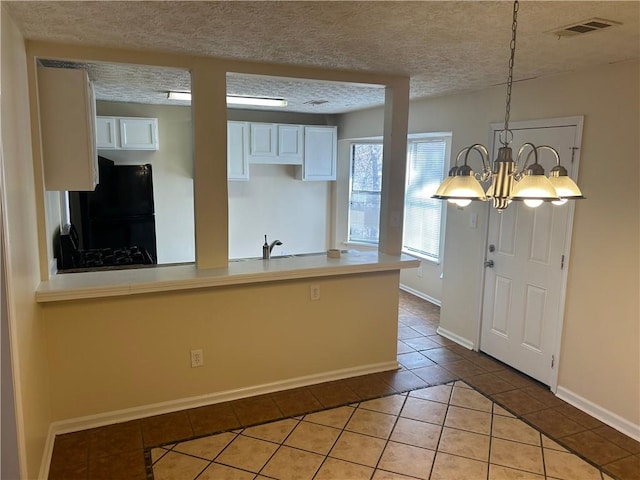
{"type": "Point", "coordinates": [122, 451]}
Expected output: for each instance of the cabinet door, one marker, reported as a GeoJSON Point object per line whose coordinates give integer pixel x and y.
{"type": "Point", "coordinates": [67, 124]}
{"type": "Point", "coordinates": [320, 152]}
{"type": "Point", "coordinates": [290, 144]}
{"type": "Point", "coordinates": [106, 133]}
{"type": "Point", "coordinates": [139, 133]}
{"type": "Point", "coordinates": [262, 142]}
{"type": "Point", "coordinates": [237, 155]}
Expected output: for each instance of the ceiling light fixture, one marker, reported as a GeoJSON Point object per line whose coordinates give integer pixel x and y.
{"type": "Point", "coordinates": [184, 96]}
{"type": "Point", "coordinates": [256, 101]}
{"type": "Point", "coordinates": [235, 100]}
{"type": "Point", "coordinates": [506, 183]}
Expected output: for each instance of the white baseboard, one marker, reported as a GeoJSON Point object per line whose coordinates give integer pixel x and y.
{"type": "Point", "coordinates": [421, 295]}
{"type": "Point", "coordinates": [454, 337]}
{"type": "Point", "coordinates": [613, 420]}
{"type": "Point", "coordinates": [135, 413]}
{"type": "Point", "coordinates": [45, 463]}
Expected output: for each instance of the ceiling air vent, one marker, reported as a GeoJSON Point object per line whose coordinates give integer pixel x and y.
{"type": "Point", "coordinates": [316, 102]}
{"type": "Point", "coordinates": [586, 26]}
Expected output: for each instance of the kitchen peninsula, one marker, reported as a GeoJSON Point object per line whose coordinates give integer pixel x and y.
{"type": "Point", "coordinates": [183, 277]}
{"type": "Point", "coordinates": [120, 340]}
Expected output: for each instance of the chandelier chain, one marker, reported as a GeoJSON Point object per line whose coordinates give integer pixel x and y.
{"type": "Point", "coordinates": [514, 27]}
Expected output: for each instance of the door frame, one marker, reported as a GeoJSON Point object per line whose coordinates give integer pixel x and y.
{"type": "Point", "coordinates": [578, 122]}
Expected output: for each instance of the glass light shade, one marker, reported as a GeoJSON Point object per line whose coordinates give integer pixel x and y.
{"type": "Point", "coordinates": [443, 187]}
{"type": "Point", "coordinates": [464, 187]}
{"type": "Point", "coordinates": [534, 187]}
{"type": "Point", "coordinates": [533, 202]}
{"type": "Point", "coordinates": [462, 202]}
{"type": "Point", "coordinates": [565, 187]}
{"type": "Point", "coordinates": [562, 201]}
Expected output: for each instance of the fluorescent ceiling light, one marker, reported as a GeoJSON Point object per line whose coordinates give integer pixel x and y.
{"type": "Point", "coordinates": [235, 100]}
{"type": "Point", "coordinates": [257, 101]}
{"type": "Point", "coordinates": [179, 96]}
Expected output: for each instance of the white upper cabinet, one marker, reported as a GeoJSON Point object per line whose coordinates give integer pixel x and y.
{"type": "Point", "coordinates": [312, 148]}
{"type": "Point", "coordinates": [67, 125]}
{"type": "Point", "coordinates": [273, 143]}
{"type": "Point", "coordinates": [290, 144]}
{"type": "Point", "coordinates": [262, 142]}
{"type": "Point", "coordinates": [127, 133]}
{"type": "Point", "coordinates": [237, 151]}
{"type": "Point", "coordinates": [139, 133]}
{"type": "Point", "coordinates": [320, 153]}
{"type": "Point", "coordinates": [106, 132]}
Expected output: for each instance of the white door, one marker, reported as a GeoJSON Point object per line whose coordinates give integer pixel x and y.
{"type": "Point", "coordinates": [524, 289]}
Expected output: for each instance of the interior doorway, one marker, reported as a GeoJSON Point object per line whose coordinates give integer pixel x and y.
{"type": "Point", "coordinates": [524, 290]}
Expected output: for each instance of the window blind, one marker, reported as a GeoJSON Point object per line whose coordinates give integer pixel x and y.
{"type": "Point", "coordinates": [422, 216]}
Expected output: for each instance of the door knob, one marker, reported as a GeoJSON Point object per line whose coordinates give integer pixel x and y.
{"type": "Point", "coordinates": [488, 263]}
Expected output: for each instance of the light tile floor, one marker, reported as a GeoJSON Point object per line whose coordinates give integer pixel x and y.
{"type": "Point", "coordinates": [443, 432]}
{"type": "Point", "coordinates": [123, 451]}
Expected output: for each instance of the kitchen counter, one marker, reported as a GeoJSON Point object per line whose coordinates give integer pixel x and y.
{"type": "Point", "coordinates": [73, 286]}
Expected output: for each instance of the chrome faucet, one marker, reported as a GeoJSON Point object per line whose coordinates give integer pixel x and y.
{"type": "Point", "coordinates": [267, 249]}
{"type": "Point", "coordinates": [273, 244]}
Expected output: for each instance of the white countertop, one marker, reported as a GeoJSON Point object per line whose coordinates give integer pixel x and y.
{"type": "Point", "coordinates": [72, 286]}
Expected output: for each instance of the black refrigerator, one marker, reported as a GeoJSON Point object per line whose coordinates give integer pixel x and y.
{"type": "Point", "coordinates": [119, 213]}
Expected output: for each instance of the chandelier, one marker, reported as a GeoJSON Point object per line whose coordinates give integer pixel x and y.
{"type": "Point", "coordinates": [506, 182]}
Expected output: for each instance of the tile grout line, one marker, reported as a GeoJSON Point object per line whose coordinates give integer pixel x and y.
{"type": "Point", "coordinates": [342, 430]}
{"type": "Point", "coordinates": [404, 402]}
{"type": "Point", "coordinates": [441, 432]}
{"type": "Point", "coordinates": [493, 405]}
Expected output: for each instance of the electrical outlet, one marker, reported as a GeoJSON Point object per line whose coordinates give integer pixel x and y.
{"type": "Point", "coordinates": [315, 292]}
{"type": "Point", "coordinates": [197, 359]}
{"type": "Point", "coordinates": [419, 271]}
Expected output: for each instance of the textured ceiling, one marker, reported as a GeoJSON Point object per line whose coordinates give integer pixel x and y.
{"type": "Point", "coordinates": [445, 47]}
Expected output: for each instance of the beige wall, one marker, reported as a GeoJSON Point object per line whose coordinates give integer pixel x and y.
{"type": "Point", "coordinates": [116, 353]}
{"type": "Point", "coordinates": [26, 327]}
{"type": "Point", "coordinates": [250, 334]}
{"type": "Point", "coordinates": [600, 350]}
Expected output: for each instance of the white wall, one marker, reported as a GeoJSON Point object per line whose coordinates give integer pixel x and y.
{"type": "Point", "coordinates": [275, 203]}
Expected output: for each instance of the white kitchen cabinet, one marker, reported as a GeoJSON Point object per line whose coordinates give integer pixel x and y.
{"type": "Point", "coordinates": [237, 151]}
{"type": "Point", "coordinates": [290, 144]}
{"type": "Point", "coordinates": [68, 129]}
{"type": "Point", "coordinates": [127, 133]}
{"type": "Point", "coordinates": [262, 142]}
{"type": "Point", "coordinates": [138, 133]}
{"type": "Point", "coordinates": [106, 137]}
{"type": "Point", "coordinates": [320, 153]}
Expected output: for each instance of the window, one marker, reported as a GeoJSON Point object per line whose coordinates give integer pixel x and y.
{"type": "Point", "coordinates": [364, 200]}
{"type": "Point", "coordinates": [427, 155]}
{"type": "Point", "coordinates": [423, 214]}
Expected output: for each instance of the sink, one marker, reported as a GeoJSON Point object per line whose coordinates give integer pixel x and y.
{"type": "Point", "coordinates": [291, 255]}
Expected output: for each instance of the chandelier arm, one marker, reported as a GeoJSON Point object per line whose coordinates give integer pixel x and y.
{"type": "Point", "coordinates": [552, 150]}
{"type": "Point", "coordinates": [534, 151]}
{"type": "Point", "coordinates": [484, 155]}
{"type": "Point", "coordinates": [464, 150]}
